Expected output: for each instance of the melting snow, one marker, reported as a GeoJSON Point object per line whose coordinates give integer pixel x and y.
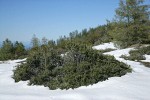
{"type": "Point", "coordinates": [132, 86]}
{"type": "Point", "coordinates": [147, 58]}
{"type": "Point", "coordinates": [105, 46]}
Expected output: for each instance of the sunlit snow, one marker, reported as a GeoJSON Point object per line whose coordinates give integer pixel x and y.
{"type": "Point", "coordinates": [132, 86]}
{"type": "Point", "coordinates": [105, 46]}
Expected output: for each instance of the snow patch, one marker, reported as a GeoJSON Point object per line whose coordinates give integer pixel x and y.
{"type": "Point", "coordinates": [147, 58]}
{"type": "Point", "coordinates": [105, 46]}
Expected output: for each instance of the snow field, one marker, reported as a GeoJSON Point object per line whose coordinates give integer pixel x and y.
{"type": "Point", "coordinates": [132, 86]}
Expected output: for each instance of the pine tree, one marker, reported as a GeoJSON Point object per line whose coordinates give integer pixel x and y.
{"type": "Point", "coordinates": [19, 49]}
{"type": "Point", "coordinates": [131, 26]}
{"type": "Point", "coordinates": [35, 41]}
{"type": "Point", "coordinates": [7, 50]}
{"type": "Point", "coordinates": [133, 11]}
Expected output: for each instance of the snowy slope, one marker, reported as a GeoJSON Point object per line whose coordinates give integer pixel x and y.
{"type": "Point", "coordinates": [133, 86]}
{"type": "Point", "coordinates": [105, 46]}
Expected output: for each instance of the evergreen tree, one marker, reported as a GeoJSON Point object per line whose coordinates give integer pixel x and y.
{"type": "Point", "coordinates": [132, 24]}
{"type": "Point", "coordinates": [7, 50]}
{"type": "Point", "coordinates": [7, 46]}
{"type": "Point", "coordinates": [133, 11]}
{"type": "Point", "coordinates": [19, 49]}
{"type": "Point", "coordinates": [35, 41]}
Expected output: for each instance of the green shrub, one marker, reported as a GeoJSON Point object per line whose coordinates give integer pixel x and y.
{"type": "Point", "coordinates": [147, 64]}
{"type": "Point", "coordinates": [22, 72]}
{"type": "Point", "coordinates": [79, 67]}
{"type": "Point", "coordinates": [137, 54]}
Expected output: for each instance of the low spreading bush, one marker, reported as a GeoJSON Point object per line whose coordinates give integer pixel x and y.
{"type": "Point", "coordinates": [137, 54]}
{"type": "Point", "coordinates": [78, 67]}
{"type": "Point", "coordinates": [147, 64]}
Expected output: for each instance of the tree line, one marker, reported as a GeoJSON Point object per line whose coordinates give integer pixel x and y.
{"type": "Point", "coordinates": [11, 50]}
{"type": "Point", "coordinates": [130, 26]}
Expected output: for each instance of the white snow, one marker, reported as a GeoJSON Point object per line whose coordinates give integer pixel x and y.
{"type": "Point", "coordinates": [147, 58]}
{"type": "Point", "coordinates": [105, 46]}
{"type": "Point", "coordinates": [132, 86]}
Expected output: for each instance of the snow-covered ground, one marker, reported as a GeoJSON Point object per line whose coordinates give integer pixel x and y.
{"type": "Point", "coordinates": [132, 86]}
{"type": "Point", "coordinates": [147, 58]}
{"type": "Point", "coordinates": [105, 46]}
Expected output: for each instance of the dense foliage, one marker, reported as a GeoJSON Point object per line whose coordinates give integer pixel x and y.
{"type": "Point", "coordinates": [132, 24]}
{"type": "Point", "coordinates": [79, 66]}
{"type": "Point", "coordinates": [12, 51]}
{"type": "Point", "coordinates": [93, 36]}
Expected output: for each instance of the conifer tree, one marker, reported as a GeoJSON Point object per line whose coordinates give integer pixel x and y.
{"type": "Point", "coordinates": [35, 41]}
{"type": "Point", "coordinates": [133, 11]}
{"type": "Point", "coordinates": [19, 49]}
{"type": "Point", "coordinates": [132, 23]}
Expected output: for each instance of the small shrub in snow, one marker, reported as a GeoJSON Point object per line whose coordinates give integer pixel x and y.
{"type": "Point", "coordinates": [137, 55]}
{"type": "Point", "coordinates": [80, 67]}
